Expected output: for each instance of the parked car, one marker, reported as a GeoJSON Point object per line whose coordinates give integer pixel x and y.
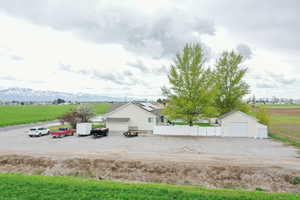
{"type": "Point", "coordinates": [38, 132]}
{"type": "Point", "coordinates": [99, 132]}
{"type": "Point", "coordinates": [83, 129]}
{"type": "Point", "coordinates": [62, 132]}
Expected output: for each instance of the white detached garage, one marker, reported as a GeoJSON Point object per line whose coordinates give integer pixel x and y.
{"type": "Point", "coordinates": [239, 124]}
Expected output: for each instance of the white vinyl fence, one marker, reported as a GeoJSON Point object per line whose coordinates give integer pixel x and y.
{"type": "Point", "coordinates": [262, 131]}
{"type": "Point", "coordinates": [187, 131]}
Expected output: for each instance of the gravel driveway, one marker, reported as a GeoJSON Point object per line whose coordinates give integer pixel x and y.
{"type": "Point", "coordinates": [17, 140]}
{"type": "Point", "coordinates": [196, 160]}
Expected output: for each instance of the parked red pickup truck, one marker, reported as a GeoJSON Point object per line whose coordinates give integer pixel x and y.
{"type": "Point", "coordinates": [62, 132]}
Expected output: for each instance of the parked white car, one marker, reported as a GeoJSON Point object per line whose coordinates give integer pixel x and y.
{"type": "Point", "coordinates": [38, 132]}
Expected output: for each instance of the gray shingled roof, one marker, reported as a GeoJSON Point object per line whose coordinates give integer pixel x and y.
{"type": "Point", "coordinates": [116, 105]}
{"type": "Point", "coordinates": [227, 114]}
{"type": "Point", "coordinates": [234, 111]}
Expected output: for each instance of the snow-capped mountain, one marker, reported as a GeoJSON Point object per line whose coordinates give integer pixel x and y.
{"type": "Point", "coordinates": [26, 94]}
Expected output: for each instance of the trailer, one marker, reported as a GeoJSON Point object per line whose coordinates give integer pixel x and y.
{"type": "Point", "coordinates": [83, 129]}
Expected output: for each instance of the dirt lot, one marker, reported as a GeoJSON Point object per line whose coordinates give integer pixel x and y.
{"type": "Point", "coordinates": [214, 162]}
{"type": "Point", "coordinates": [289, 111]}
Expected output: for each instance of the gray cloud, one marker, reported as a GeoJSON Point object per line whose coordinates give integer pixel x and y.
{"type": "Point", "coordinates": [265, 85]}
{"type": "Point", "coordinates": [11, 78]}
{"type": "Point", "coordinates": [128, 73]}
{"type": "Point", "coordinates": [244, 50]}
{"type": "Point", "coordinates": [117, 78]}
{"type": "Point", "coordinates": [141, 66]}
{"type": "Point", "coordinates": [65, 67]}
{"type": "Point", "coordinates": [282, 79]}
{"type": "Point", "coordinates": [17, 58]}
{"type": "Point", "coordinates": [109, 77]}
{"type": "Point", "coordinates": [7, 78]}
{"type": "Point", "coordinates": [161, 33]}
{"type": "Point", "coordinates": [163, 70]}
{"type": "Point", "coordinates": [273, 24]}
{"type": "Point", "coordinates": [272, 80]}
{"type": "Point", "coordinates": [138, 64]}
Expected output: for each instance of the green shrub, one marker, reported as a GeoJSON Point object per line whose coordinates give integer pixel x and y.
{"type": "Point", "coordinates": [262, 116]}
{"type": "Point", "coordinates": [295, 180]}
{"type": "Point", "coordinates": [259, 189]}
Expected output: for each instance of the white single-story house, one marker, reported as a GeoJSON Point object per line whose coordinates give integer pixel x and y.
{"type": "Point", "coordinates": [239, 124]}
{"type": "Point", "coordinates": [141, 116]}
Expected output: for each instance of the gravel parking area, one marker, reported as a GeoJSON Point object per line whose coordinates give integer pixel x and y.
{"type": "Point", "coordinates": [206, 161]}
{"type": "Point", "coordinates": [18, 140]}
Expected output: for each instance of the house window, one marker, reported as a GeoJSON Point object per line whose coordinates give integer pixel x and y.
{"type": "Point", "coordinates": [150, 119]}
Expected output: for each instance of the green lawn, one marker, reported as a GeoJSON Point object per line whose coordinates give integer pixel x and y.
{"type": "Point", "coordinates": [102, 108]}
{"type": "Point", "coordinates": [14, 115]}
{"type": "Point", "coordinates": [195, 124]}
{"type": "Point", "coordinates": [29, 187]}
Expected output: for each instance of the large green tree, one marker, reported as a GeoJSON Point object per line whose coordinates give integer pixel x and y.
{"type": "Point", "coordinates": [231, 88]}
{"type": "Point", "coordinates": [191, 93]}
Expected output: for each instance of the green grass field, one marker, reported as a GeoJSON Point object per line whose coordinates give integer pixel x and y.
{"type": "Point", "coordinates": [102, 108]}
{"type": "Point", "coordinates": [14, 115]}
{"type": "Point", "coordinates": [285, 123]}
{"type": "Point", "coordinates": [29, 187]}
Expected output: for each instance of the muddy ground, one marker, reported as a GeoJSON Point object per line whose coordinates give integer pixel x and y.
{"type": "Point", "coordinates": [204, 173]}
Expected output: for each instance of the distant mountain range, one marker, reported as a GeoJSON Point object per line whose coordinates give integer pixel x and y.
{"type": "Point", "coordinates": [26, 94]}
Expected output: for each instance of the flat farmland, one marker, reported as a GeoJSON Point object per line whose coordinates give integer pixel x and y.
{"type": "Point", "coordinates": [15, 115]}
{"type": "Point", "coordinates": [285, 123]}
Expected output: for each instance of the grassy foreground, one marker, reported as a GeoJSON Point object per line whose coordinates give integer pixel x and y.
{"type": "Point", "coordinates": [26, 187]}
{"type": "Point", "coordinates": [14, 115]}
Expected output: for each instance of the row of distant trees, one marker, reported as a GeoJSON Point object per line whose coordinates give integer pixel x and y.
{"type": "Point", "coordinates": [197, 90]}
{"type": "Point", "coordinates": [273, 100]}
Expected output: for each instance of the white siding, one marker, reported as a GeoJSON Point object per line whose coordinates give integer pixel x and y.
{"type": "Point", "coordinates": [117, 126]}
{"type": "Point", "coordinates": [239, 118]}
{"type": "Point", "coordinates": [138, 116]}
{"type": "Point", "coordinates": [262, 131]}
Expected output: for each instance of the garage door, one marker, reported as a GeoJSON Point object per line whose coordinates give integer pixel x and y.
{"type": "Point", "coordinates": [237, 129]}
{"type": "Point", "coordinates": [117, 126]}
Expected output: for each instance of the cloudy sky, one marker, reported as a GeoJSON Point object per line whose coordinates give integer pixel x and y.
{"type": "Point", "coordinates": [124, 48]}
